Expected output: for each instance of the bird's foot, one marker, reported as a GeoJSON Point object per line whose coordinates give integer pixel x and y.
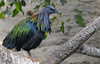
{"type": "Point", "coordinates": [34, 60]}
{"type": "Point", "coordinates": [37, 60]}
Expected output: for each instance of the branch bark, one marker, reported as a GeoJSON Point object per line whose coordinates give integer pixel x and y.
{"type": "Point", "coordinates": [8, 57]}
{"type": "Point", "coordinates": [90, 51]}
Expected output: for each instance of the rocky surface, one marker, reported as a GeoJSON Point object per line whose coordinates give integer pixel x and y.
{"type": "Point", "coordinates": [91, 10]}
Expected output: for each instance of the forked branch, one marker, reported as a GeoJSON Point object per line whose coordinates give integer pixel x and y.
{"type": "Point", "coordinates": [73, 44]}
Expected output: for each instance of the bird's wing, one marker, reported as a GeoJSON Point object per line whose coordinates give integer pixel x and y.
{"type": "Point", "coordinates": [20, 34]}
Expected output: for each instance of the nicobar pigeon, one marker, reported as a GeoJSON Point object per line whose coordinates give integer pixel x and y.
{"type": "Point", "coordinates": [29, 32]}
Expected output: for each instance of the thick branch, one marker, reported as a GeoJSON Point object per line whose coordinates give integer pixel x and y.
{"type": "Point", "coordinates": [72, 45]}
{"type": "Point", "coordinates": [91, 51]}
{"type": "Point", "coordinates": [9, 57]}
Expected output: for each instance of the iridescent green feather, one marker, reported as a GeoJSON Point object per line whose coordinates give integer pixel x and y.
{"type": "Point", "coordinates": [21, 29]}
{"type": "Point", "coordinates": [39, 23]}
{"type": "Point", "coordinates": [42, 26]}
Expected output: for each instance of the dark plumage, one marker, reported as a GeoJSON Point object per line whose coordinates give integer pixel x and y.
{"type": "Point", "coordinates": [29, 33]}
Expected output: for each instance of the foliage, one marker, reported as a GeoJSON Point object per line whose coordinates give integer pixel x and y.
{"type": "Point", "coordinates": [60, 13]}
{"type": "Point", "coordinates": [53, 19]}
{"type": "Point", "coordinates": [68, 20]}
{"type": "Point", "coordinates": [78, 18]}
{"type": "Point", "coordinates": [2, 4]}
{"type": "Point", "coordinates": [79, 0]}
{"type": "Point", "coordinates": [62, 27]}
{"type": "Point", "coordinates": [1, 14]}
{"type": "Point", "coordinates": [15, 12]}
{"type": "Point", "coordinates": [63, 1]}
{"type": "Point", "coordinates": [7, 11]}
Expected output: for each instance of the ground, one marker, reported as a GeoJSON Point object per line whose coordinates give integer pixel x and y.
{"type": "Point", "coordinates": [91, 10]}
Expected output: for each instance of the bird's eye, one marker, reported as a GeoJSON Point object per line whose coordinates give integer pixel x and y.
{"type": "Point", "coordinates": [52, 9]}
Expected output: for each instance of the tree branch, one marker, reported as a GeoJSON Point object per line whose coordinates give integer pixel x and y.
{"type": "Point", "coordinates": [74, 44]}
{"type": "Point", "coordinates": [9, 57]}
{"type": "Point", "coordinates": [91, 51]}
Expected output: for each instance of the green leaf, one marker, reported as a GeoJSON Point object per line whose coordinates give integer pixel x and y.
{"type": "Point", "coordinates": [60, 13]}
{"type": "Point", "coordinates": [23, 3]}
{"type": "Point", "coordinates": [20, 6]}
{"type": "Point", "coordinates": [11, 4]}
{"type": "Point", "coordinates": [56, 3]}
{"type": "Point", "coordinates": [22, 12]}
{"type": "Point", "coordinates": [79, 0]}
{"type": "Point", "coordinates": [15, 12]}
{"type": "Point", "coordinates": [57, 23]}
{"type": "Point", "coordinates": [17, 6]}
{"type": "Point", "coordinates": [53, 4]}
{"type": "Point", "coordinates": [8, 11]}
{"type": "Point", "coordinates": [63, 1]}
{"type": "Point", "coordinates": [47, 2]}
{"type": "Point", "coordinates": [1, 14]}
{"type": "Point", "coordinates": [2, 3]}
{"type": "Point", "coordinates": [38, 6]}
{"type": "Point", "coordinates": [79, 20]}
{"type": "Point", "coordinates": [45, 36]}
{"type": "Point", "coordinates": [40, 0]}
{"type": "Point", "coordinates": [43, 5]}
{"type": "Point", "coordinates": [77, 11]}
{"type": "Point", "coordinates": [68, 20]}
{"type": "Point", "coordinates": [62, 27]}
{"type": "Point", "coordinates": [53, 19]}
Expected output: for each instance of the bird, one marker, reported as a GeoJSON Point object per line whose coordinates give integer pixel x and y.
{"type": "Point", "coordinates": [29, 32]}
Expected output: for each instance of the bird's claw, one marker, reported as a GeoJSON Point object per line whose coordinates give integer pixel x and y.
{"type": "Point", "coordinates": [34, 60]}
{"type": "Point", "coordinates": [29, 58]}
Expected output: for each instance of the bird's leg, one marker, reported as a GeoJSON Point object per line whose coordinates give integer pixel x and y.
{"type": "Point", "coordinates": [24, 53]}
{"type": "Point", "coordinates": [33, 58]}
{"type": "Point", "coordinates": [29, 54]}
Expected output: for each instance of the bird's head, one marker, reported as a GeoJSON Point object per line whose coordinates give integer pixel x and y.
{"type": "Point", "coordinates": [49, 10]}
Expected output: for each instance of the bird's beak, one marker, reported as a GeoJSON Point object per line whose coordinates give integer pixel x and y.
{"type": "Point", "coordinates": [56, 12]}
